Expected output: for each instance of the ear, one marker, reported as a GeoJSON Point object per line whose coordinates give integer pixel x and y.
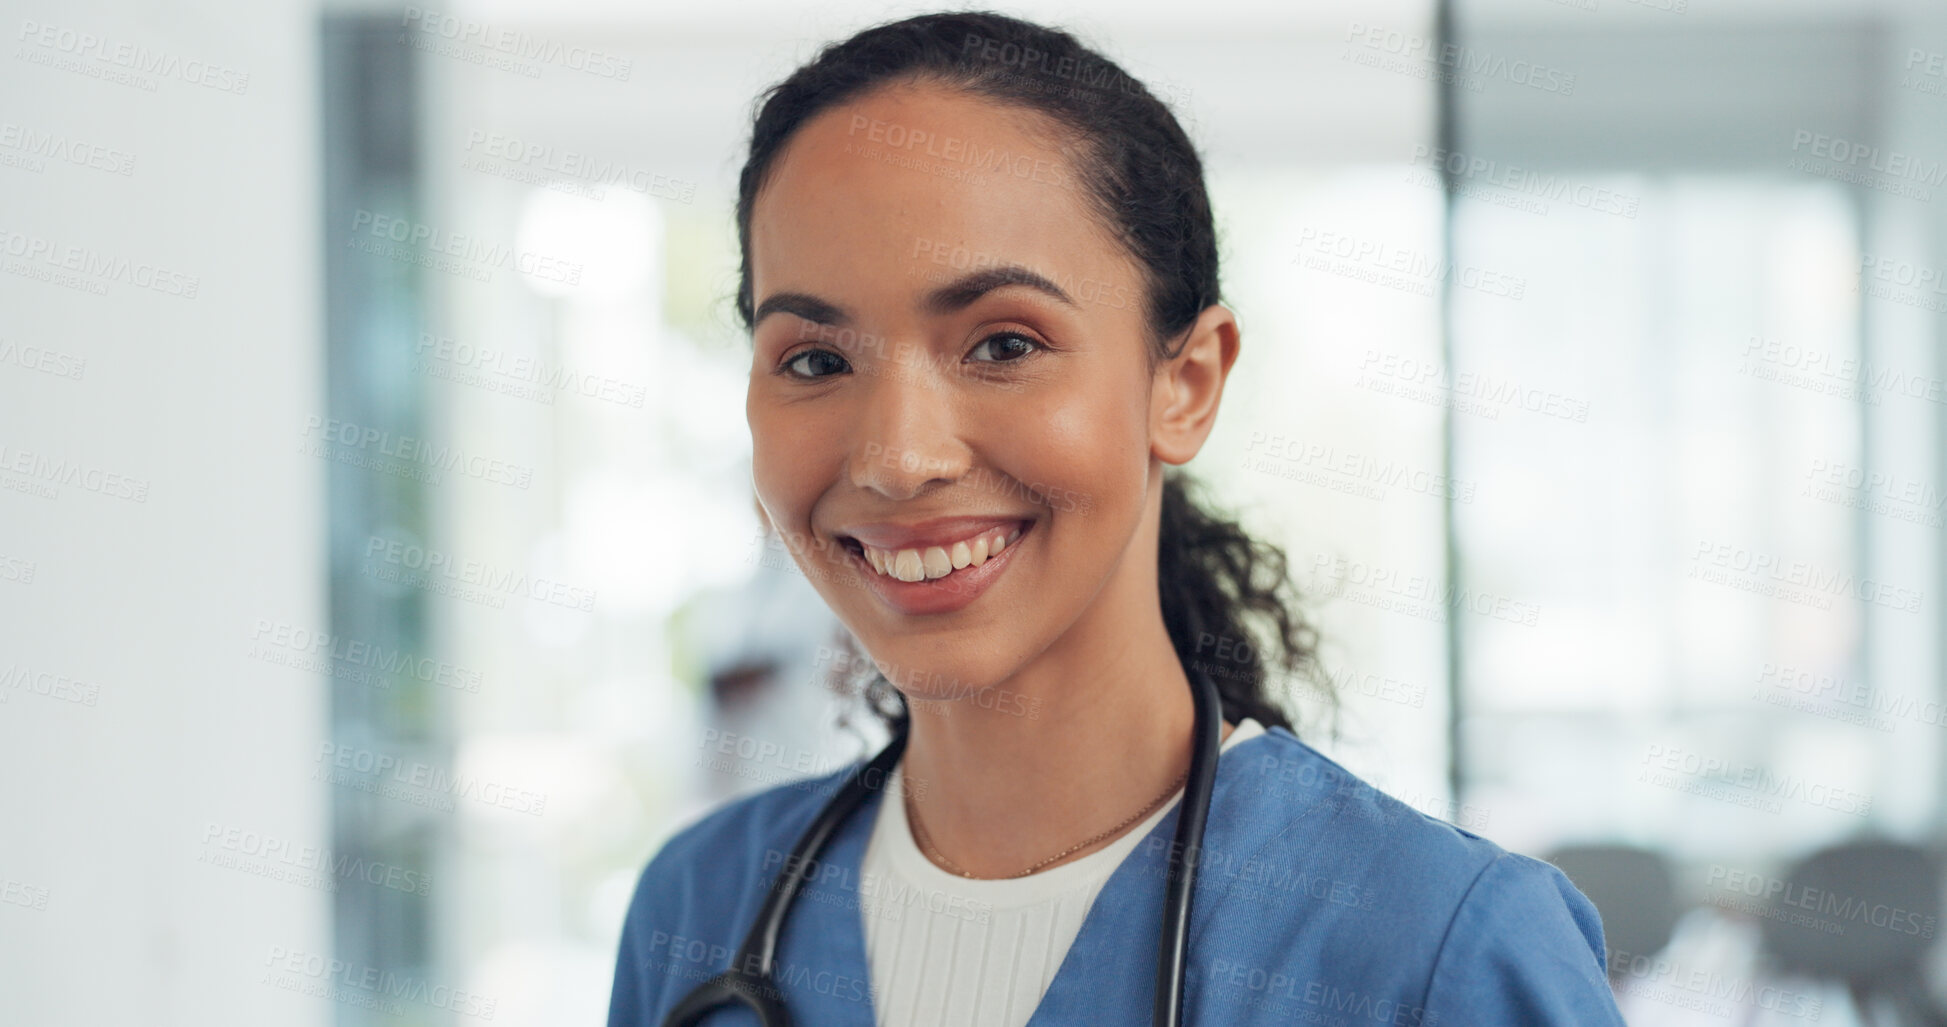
{"type": "Point", "coordinates": [1184, 396]}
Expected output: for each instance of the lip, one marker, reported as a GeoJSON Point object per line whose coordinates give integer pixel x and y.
{"type": "Point", "coordinates": [953, 592]}
{"type": "Point", "coordinates": [940, 531]}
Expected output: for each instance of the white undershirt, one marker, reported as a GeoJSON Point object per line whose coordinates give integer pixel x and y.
{"type": "Point", "coordinates": [947, 951]}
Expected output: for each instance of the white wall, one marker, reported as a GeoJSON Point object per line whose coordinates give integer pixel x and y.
{"type": "Point", "coordinates": [108, 911]}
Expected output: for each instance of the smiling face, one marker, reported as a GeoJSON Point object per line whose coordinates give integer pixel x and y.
{"type": "Point", "coordinates": [949, 348]}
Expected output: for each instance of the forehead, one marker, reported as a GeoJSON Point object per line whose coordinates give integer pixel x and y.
{"type": "Point", "coordinates": [869, 195]}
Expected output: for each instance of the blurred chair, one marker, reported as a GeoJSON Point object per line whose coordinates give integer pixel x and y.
{"type": "Point", "coordinates": [1864, 914]}
{"type": "Point", "coordinates": [1633, 889]}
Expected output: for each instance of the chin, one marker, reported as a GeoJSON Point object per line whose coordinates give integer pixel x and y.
{"type": "Point", "coordinates": [932, 680]}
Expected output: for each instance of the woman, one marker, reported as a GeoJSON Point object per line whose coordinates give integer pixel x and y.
{"type": "Point", "coordinates": [980, 276]}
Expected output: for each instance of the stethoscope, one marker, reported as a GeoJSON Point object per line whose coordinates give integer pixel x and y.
{"type": "Point", "coordinates": [749, 979]}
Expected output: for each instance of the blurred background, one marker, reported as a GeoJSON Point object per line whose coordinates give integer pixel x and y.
{"type": "Point", "coordinates": [380, 580]}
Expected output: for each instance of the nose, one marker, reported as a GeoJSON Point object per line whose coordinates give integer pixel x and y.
{"type": "Point", "coordinates": [908, 436]}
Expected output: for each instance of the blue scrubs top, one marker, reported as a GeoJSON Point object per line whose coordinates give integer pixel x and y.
{"type": "Point", "coordinates": [1319, 900]}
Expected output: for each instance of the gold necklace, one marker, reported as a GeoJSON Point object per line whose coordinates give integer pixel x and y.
{"type": "Point", "coordinates": [926, 843]}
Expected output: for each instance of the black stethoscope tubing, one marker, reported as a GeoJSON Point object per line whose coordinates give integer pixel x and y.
{"type": "Point", "coordinates": [749, 978]}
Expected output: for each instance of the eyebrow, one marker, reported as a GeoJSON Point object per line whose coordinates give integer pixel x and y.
{"type": "Point", "coordinates": [953, 296]}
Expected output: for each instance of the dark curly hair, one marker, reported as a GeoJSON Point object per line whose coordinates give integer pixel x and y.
{"type": "Point", "coordinates": [1142, 177]}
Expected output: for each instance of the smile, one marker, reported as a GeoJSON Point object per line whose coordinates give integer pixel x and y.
{"type": "Point", "coordinates": [938, 561]}
{"type": "Point", "coordinates": [938, 574]}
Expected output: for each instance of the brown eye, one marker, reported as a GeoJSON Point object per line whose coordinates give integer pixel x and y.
{"type": "Point", "coordinates": [832, 362]}
{"type": "Point", "coordinates": [1017, 345]}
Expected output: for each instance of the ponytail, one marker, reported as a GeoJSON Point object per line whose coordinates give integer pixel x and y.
{"type": "Point", "coordinates": [1214, 579]}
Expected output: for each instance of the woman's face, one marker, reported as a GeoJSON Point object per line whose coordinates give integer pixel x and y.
{"type": "Point", "coordinates": [916, 387]}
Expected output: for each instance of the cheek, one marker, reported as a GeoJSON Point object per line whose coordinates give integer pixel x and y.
{"type": "Point", "coordinates": [782, 463]}
{"type": "Point", "coordinates": [1095, 441]}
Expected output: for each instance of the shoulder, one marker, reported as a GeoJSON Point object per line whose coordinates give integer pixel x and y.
{"type": "Point", "coordinates": [736, 846]}
{"type": "Point", "coordinates": [1523, 946]}
{"type": "Point", "coordinates": [1326, 815]}
{"type": "Point", "coordinates": [702, 889]}
{"type": "Point", "coordinates": [1386, 899]}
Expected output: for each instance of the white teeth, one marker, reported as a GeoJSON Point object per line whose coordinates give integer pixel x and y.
{"type": "Point", "coordinates": [938, 561]}
{"type": "Point", "coordinates": [907, 567]}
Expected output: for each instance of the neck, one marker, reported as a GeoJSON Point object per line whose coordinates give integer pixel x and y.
{"type": "Point", "coordinates": [1076, 742]}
